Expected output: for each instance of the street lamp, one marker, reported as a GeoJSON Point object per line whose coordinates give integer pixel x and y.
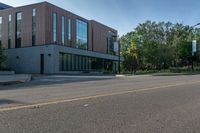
{"type": "Point", "coordinates": [194, 46]}
{"type": "Point", "coordinates": [118, 43]}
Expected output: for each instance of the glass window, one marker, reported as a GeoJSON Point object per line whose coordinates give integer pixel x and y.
{"type": "Point", "coordinates": [73, 62]}
{"type": "Point", "coordinates": [19, 16]}
{"type": "Point", "coordinates": [61, 62]}
{"type": "Point", "coordinates": [63, 30]}
{"type": "Point", "coordinates": [86, 63]}
{"type": "Point", "coordinates": [82, 59]}
{"type": "Point", "coordinates": [110, 43]}
{"type": "Point", "coordinates": [34, 12]}
{"type": "Point", "coordinates": [0, 29]}
{"type": "Point", "coordinates": [33, 26]}
{"type": "Point", "coordinates": [9, 42]}
{"type": "Point", "coordinates": [54, 27]}
{"type": "Point", "coordinates": [81, 34]}
{"type": "Point", "coordinates": [77, 62]}
{"type": "Point", "coordinates": [70, 32]}
{"type": "Point", "coordinates": [18, 29]}
{"type": "Point", "coordinates": [90, 63]}
{"type": "Point", "coordinates": [9, 30]}
{"type": "Point", "coordinates": [65, 62]}
{"type": "Point", "coordinates": [10, 18]}
{"type": "Point", "coordinates": [69, 62]}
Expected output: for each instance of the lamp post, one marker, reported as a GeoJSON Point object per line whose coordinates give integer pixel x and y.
{"type": "Point", "coordinates": [118, 43]}
{"type": "Point", "coordinates": [119, 56]}
{"type": "Point", "coordinates": [194, 46]}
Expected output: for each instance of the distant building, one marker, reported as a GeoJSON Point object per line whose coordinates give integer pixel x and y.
{"type": "Point", "coordinates": [43, 38]}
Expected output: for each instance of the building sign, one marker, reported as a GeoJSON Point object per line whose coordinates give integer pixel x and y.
{"type": "Point", "coordinates": [194, 46]}
{"type": "Point", "coordinates": [116, 46]}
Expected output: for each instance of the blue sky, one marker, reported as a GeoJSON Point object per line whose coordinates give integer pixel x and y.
{"type": "Point", "coordinates": [125, 15]}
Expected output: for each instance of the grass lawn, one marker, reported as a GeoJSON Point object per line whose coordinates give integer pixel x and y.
{"type": "Point", "coordinates": [164, 73]}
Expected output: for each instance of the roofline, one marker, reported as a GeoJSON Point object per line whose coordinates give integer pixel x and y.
{"type": "Point", "coordinates": [104, 25]}
{"type": "Point", "coordinates": [66, 10]}
{"type": "Point", "coordinates": [25, 5]}
{"type": "Point", "coordinates": [48, 3]}
{"type": "Point", "coordinates": [5, 6]}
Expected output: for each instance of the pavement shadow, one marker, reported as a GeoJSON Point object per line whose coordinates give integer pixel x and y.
{"type": "Point", "coordinates": [8, 101]}
{"type": "Point", "coordinates": [174, 74]}
{"type": "Point", "coordinates": [49, 81]}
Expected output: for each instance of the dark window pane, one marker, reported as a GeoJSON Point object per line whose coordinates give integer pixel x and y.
{"type": "Point", "coordinates": [70, 32]}
{"type": "Point", "coordinates": [54, 27]}
{"type": "Point", "coordinates": [63, 30]}
{"type": "Point", "coordinates": [18, 29]}
{"type": "Point", "coordinates": [9, 43]}
{"type": "Point", "coordinates": [33, 27]}
{"type": "Point", "coordinates": [81, 34]}
{"type": "Point", "coordinates": [1, 19]}
{"type": "Point", "coordinates": [73, 60]}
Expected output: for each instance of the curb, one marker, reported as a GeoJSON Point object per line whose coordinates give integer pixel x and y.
{"type": "Point", "coordinates": [14, 79]}
{"type": "Point", "coordinates": [10, 83]}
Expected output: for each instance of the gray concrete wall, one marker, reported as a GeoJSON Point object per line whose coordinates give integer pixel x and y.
{"type": "Point", "coordinates": [27, 60]}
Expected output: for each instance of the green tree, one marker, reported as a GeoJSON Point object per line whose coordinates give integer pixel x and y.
{"type": "Point", "coordinates": [131, 58]}
{"type": "Point", "coordinates": [152, 39]}
{"type": "Point", "coordinates": [160, 45]}
{"type": "Point", "coordinates": [3, 57]}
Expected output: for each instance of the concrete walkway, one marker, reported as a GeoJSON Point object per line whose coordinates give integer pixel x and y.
{"type": "Point", "coordinates": [15, 78]}
{"type": "Point", "coordinates": [74, 76]}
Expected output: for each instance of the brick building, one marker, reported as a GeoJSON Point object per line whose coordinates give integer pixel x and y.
{"type": "Point", "coordinates": [43, 38]}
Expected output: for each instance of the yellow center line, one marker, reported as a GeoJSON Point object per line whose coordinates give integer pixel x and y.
{"type": "Point", "coordinates": [92, 97]}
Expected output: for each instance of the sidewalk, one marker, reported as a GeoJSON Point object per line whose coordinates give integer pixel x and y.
{"type": "Point", "coordinates": [15, 78]}
{"type": "Point", "coordinates": [73, 76]}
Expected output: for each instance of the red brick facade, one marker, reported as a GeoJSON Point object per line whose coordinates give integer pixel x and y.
{"type": "Point", "coordinates": [97, 33]}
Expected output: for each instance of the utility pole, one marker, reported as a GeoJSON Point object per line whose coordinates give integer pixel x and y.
{"type": "Point", "coordinates": [194, 47]}
{"type": "Point", "coordinates": [119, 48]}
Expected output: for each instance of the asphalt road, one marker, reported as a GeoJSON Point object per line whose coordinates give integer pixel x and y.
{"type": "Point", "coordinates": [146, 104]}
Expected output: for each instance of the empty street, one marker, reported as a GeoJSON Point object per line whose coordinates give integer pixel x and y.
{"type": "Point", "coordinates": [65, 104]}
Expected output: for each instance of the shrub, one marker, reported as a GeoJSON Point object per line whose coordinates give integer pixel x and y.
{"type": "Point", "coordinates": [3, 57]}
